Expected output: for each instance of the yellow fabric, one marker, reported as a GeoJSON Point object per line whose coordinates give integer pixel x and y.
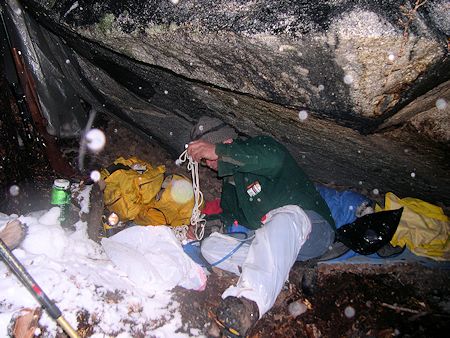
{"type": "Point", "coordinates": [127, 190]}
{"type": "Point", "coordinates": [173, 205]}
{"type": "Point", "coordinates": [143, 197]}
{"type": "Point", "coordinates": [423, 227]}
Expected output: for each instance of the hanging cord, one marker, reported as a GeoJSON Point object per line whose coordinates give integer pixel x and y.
{"type": "Point", "coordinates": [197, 219]}
{"type": "Point", "coordinates": [208, 265]}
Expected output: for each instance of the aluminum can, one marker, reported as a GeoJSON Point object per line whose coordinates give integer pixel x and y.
{"type": "Point", "coordinates": [61, 197]}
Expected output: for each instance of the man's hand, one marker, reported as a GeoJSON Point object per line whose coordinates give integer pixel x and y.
{"type": "Point", "coordinates": [200, 149]}
{"type": "Point", "coordinates": [13, 233]}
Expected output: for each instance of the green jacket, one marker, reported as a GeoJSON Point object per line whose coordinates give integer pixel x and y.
{"type": "Point", "coordinates": [259, 174]}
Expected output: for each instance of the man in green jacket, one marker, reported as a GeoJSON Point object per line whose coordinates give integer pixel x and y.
{"type": "Point", "coordinates": [263, 189]}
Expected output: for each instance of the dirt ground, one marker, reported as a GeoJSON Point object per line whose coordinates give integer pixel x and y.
{"type": "Point", "coordinates": [400, 300]}
{"type": "Point", "coordinates": [386, 301]}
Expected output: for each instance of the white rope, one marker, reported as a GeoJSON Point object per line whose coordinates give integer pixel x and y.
{"type": "Point", "coordinates": [197, 219]}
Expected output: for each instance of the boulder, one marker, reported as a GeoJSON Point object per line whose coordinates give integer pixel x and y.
{"type": "Point", "coordinates": [358, 90]}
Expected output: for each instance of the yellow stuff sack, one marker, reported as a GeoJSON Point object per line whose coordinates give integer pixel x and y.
{"type": "Point", "coordinates": [173, 204]}
{"type": "Point", "coordinates": [423, 227]}
{"type": "Point", "coordinates": [127, 190]}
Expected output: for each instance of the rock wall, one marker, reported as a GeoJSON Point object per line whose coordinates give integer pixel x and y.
{"type": "Point", "coordinates": [358, 90]}
{"type": "Point", "coordinates": [340, 59]}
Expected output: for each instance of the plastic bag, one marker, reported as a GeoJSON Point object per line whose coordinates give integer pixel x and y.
{"type": "Point", "coordinates": [153, 258]}
{"type": "Point", "coordinates": [368, 234]}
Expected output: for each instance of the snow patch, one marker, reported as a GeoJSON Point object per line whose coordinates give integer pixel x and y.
{"type": "Point", "coordinates": [76, 274]}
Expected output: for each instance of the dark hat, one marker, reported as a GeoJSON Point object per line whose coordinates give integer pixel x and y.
{"type": "Point", "coordinates": [212, 130]}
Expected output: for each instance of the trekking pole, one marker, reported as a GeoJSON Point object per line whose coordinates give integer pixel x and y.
{"type": "Point", "coordinates": [35, 290]}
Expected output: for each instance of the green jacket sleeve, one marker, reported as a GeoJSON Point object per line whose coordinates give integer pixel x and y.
{"type": "Point", "coordinates": [261, 158]}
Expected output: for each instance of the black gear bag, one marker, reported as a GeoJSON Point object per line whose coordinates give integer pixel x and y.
{"type": "Point", "coordinates": [369, 233]}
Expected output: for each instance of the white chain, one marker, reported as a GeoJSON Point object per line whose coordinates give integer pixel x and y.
{"type": "Point", "coordinates": [197, 219]}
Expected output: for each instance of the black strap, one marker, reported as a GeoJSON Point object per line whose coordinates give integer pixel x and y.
{"type": "Point", "coordinates": [114, 167]}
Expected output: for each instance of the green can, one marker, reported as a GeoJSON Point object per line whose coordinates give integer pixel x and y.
{"type": "Point", "coordinates": [61, 197]}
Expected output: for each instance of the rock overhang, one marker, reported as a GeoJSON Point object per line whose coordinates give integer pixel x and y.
{"type": "Point", "coordinates": [257, 64]}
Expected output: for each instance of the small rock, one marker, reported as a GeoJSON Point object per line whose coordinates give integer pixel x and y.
{"type": "Point", "coordinates": [349, 312]}
{"type": "Point", "coordinates": [297, 308]}
{"type": "Point", "coordinates": [313, 331]}
{"type": "Point", "coordinates": [214, 330]}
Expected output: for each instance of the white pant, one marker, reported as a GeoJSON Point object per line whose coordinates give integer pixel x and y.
{"type": "Point", "coordinates": [269, 258]}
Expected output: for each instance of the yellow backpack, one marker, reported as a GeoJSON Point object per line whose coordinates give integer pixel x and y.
{"type": "Point", "coordinates": [138, 192]}
{"type": "Point", "coordinates": [424, 228]}
{"type": "Point", "coordinates": [172, 205]}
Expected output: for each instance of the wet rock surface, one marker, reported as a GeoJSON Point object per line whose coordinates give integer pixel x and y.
{"type": "Point", "coordinates": [427, 115]}
{"type": "Point", "coordinates": [340, 59]}
{"type": "Point", "coordinates": [359, 71]}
